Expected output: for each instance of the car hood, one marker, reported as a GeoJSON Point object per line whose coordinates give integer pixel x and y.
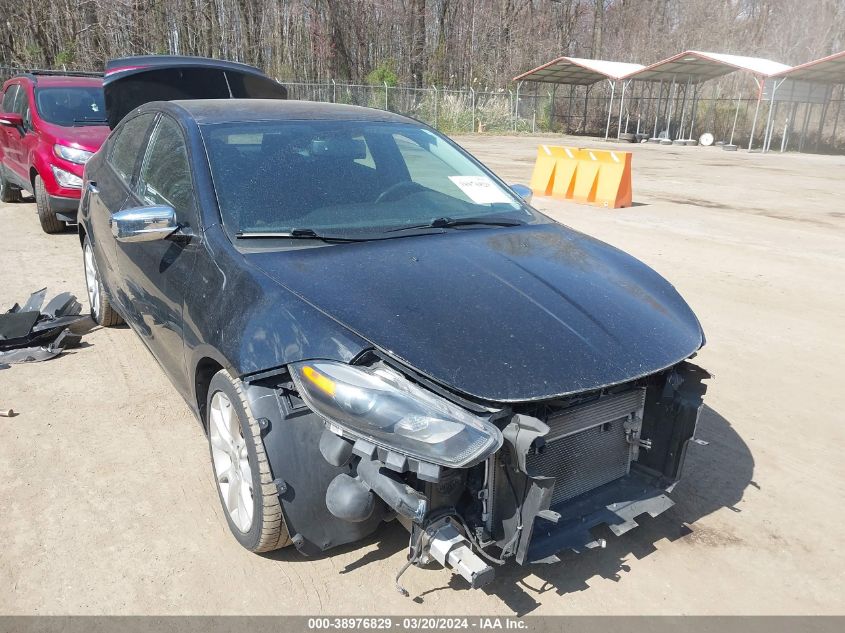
{"type": "Point", "coordinates": [87, 137]}
{"type": "Point", "coordinates": [503, 315]}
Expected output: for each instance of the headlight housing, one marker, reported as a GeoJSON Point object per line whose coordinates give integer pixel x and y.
{"type": "Point", "coordinates": [74, 155]}
{"type": "Point", "coordinates": [381, 406]}
{"type": "Point", "coordinates": [66, 179]}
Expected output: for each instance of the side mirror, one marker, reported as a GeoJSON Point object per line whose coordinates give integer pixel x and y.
{"type": "Point", "coordinates": [523, 192]}
{"type": "Point", "coordinates": [143, 224]}
{"type": "Point", "coordinates": [11, 119]}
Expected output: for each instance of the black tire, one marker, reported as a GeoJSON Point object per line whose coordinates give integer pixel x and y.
{"type": "Point", "coordinates": [49, 222]}
{"type": "Point", "coordinates": [8, 192]}
{"type": "Point", "coordinates": [267, 530]}
{"type": "Point", "coordinates": [102, 311]}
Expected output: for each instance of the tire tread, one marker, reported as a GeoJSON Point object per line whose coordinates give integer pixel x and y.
{"type": "Point", "coordinates": [49, 222]}
{"type": "Point", "coordinates": [274, 532]}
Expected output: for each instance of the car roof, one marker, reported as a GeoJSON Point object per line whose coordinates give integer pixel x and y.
{"type": "Point", "coordinates": [56, 81]}
{"type": "Point", "coordinates": [206, 111]}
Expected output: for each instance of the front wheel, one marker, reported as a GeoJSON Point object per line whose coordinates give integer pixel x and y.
{"type": "Point", "coordinates": [49, 222]}
{"type": "Point", "coordinates": [101, 309]}
{"type": "Point", "coordinates": [245, 486]}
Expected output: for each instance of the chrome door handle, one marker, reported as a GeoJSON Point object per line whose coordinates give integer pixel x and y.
{"type": "Point", "coordinates": [92, 187]}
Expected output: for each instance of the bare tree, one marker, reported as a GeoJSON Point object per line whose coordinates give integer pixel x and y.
{"type": "Point", "coordinates": [452, 42]}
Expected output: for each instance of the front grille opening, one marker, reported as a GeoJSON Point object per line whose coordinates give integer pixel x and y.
{"type": "Point", "coordinates": [588, 445]}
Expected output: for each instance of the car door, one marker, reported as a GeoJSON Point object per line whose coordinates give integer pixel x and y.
{"type": "Point", "coordinates": [12, 139]}
{"type": "Point", "coordinates": [28, 143]}
{"type": "Point", "coordinates": [155, 274]}
{"type": "Point", "coordinates": [107, 190]}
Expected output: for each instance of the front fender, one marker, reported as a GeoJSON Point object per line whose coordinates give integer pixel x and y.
{"type": "Point", "coordinates": [247, 323]}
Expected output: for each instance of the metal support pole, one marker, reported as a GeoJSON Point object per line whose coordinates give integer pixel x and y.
{"type": "Point", "coordinates": [836, 119]}
{"type": "Point", "coordinates": [657, 109]}
{"type": "Point", "coordinates": [569, 112]}
{"type": "Point", "coordinates": [790, 122]}
{"type": "Point", "coordinates": [756, 112]}
{"type": "Point", "coordinates": [334, 92]}
{"type": "Point", "coordinates": [586, 103]}
{"type": "Point", "coordinates": [640, 110]}
{"type": "Point", "coordinates": [672, 100]}
{"type": "Point", "coordinates": [621, 104]}
{"type": "Point", "coordinates": [516, 106]}
{"type": "Point", "coordinates": [809, 108]}
{"type": "Point", "coordinates": [768, 144]}
{"type": "Point", "coordinates": [736, 116]}
{"type": "Point", "coordinates": [767, 138]}
{"type": "Point", "coordinates": [693, 110]}
{"type": "Point", "coordinates": [822, 117]}
{"type": "Point", "coordinates": [785, 134]}
{"type": "Point", "coordinates": [386, 107]}
{"type": "Point", "coordinates": [684, 107]}
{"type": "Point", "coordinates": [472, 98]}
{"type": "Point", "coordinates": [435, 106]}
{"type": "Point", "coordinates": [609, 108]}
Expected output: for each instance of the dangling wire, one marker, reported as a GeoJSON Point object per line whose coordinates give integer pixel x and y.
{"type": "Point", "coordinates": [411, 561]}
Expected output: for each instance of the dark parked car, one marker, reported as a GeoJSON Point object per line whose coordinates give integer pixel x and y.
{"type": "Point", "coordinates": [371, 326]}
{"type": "Point", "coordinates": [51, 125]}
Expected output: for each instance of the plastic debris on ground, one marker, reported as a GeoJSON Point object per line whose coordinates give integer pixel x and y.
{"type": "Point", "coordinates": [35, 332]}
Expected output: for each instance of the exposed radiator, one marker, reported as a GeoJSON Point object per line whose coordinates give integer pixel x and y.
{"type": "Point", "coordinates": [588, 445]}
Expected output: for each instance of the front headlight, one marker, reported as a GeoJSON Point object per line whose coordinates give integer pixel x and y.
{"type": "Point", "coordinates": [78, 156]}
{"type": "Point", "coordinates": [66, 179]}
{"type": "Point", "coordinates": [383, 407]}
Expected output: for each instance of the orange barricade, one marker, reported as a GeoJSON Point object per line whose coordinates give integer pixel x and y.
{"type": "Point", "coordinates": [590, 176]}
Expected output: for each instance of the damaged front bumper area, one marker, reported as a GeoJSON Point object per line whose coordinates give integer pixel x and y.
{"type": "Point", "coordinates": [535, 485]}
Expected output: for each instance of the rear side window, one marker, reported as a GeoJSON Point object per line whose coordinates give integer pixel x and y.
{"type": "Point", "coordinates": [127, 145]}
{"type": "Point", "coordinates": [9, 98]}
{"type": "Point", "coordinates": [166, 175]}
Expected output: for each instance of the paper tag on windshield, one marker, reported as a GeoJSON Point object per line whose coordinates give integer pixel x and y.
{"type": "Point", "coordinates": [480, 189]}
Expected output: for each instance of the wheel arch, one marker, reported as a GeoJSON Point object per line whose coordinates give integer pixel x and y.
{"type": "Point", "coordinates": [204, 371]}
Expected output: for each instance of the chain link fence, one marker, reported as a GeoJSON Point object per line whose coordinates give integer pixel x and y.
{"type": "Point", "coordinates": [589, 111]}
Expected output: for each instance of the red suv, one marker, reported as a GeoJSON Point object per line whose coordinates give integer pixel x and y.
{"type": "Point", "coordinates": [50, 125]}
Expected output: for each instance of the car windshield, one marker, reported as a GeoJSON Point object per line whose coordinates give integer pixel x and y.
{"type": "Point", "coordinates": [69, 106]}
{"type": "Point", "coordinates": [350, 179]}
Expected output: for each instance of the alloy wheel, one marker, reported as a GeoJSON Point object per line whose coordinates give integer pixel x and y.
{"type": "Point", "coordinates": [231, 461]}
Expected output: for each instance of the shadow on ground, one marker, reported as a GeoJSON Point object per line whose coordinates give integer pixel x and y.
{"type": "Point", "coordinates": [715, 477]}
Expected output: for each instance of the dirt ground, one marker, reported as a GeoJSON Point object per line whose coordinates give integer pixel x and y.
{"type": "Point", "coordinates": [107, 504]}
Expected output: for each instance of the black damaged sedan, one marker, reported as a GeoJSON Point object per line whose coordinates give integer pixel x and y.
{"type": "Point", "coordinates": [371, 326]}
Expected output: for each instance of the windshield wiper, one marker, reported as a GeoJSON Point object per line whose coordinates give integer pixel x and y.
{"type": "Point", "coordinates": [447, 223]}
{"type": "Point", "coordinates": [297, 234]}
{"type": "Point", "coordinates": [90, 121]}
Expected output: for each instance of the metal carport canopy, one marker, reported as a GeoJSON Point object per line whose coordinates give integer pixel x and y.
{"type": "Point", "coordinates": [827, 70]}
{"type": "Point", "coordinates": [576, 71]}
{"type": "Point", "coordinates": [700, 66]}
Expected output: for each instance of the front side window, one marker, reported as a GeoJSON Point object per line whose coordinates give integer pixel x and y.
{"type": "Point", "coordinates": [165, 176]}
{"type": "Point", "coordinates": [348, 178]}
{"type": "Point", "coordinates": [126, 145]}
{"type": "Point", "coordinates": [71, 106]}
